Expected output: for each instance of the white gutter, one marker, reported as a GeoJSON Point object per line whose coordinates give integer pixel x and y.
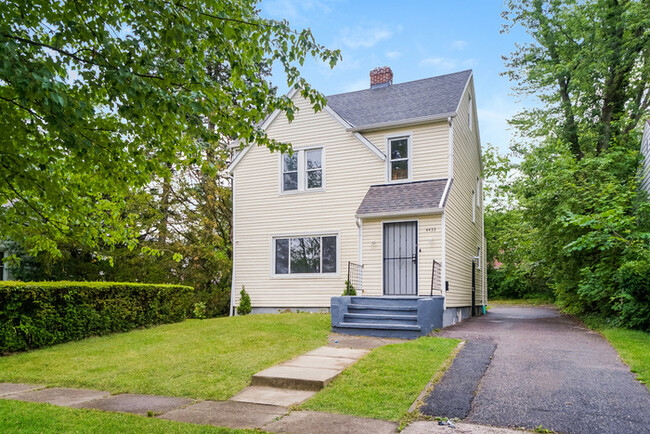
{"type": "Point", "coordinates": [398, 213]}
{"type": "Point", "coordinates": [443, 199]}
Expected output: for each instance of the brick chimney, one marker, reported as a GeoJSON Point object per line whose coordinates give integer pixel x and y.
{"type": "Point", "coordinates": [381, 77]}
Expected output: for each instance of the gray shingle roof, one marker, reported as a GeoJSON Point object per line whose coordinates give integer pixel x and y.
{"type": "Point", "coordinates": [400, 198]}
{"type": "Point", "coordinates": [398, 102]}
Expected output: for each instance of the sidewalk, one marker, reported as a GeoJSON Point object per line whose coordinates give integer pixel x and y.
{"type": "Point", "coordinates": [264, 405]}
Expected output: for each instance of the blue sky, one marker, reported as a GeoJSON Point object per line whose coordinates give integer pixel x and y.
{"type": "Point", "coordinates": [417, 39]}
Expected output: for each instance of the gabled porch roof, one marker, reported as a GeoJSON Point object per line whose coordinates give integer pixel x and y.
{"type": "Point", "coordinates": [404, 199]}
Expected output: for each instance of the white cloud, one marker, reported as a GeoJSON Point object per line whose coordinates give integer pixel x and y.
{"type": "Point", "coordinates": [293, 10]}
{"type": "Point", "coordinates": [357, 85]}
{"type": "Point", "coordinates": [439, 62]}
{"type": "Point", "coordinates": [458, 45]}
{"type": "Point", "coordinates": [364, 37]}
{"type": "Point", "coordinates": [493, 119]}
{"type": "Point", "coordinates": [393, 54]}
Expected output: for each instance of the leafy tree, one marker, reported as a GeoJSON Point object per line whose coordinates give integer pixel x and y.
{"type": "Point", "coordinates": [100, 98]}
{"type": "Point", "coordinates": [189, 215]}
{"type": "Point", "coordinates": [578, 217]}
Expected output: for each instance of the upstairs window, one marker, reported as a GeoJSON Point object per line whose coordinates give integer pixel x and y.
{"type": "Point", "coordinates": [303, 170]}
{"type": "Point", "coordinates": [305, 255]}
{"type": "Point", "coordinates": [399, 162]}
{"type": "Point", "coordinates": [314, 168]}
{"type": "Point", "coordinates": [290, 172]}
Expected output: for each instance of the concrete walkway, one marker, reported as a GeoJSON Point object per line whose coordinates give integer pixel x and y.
{"type": "Point", "coordinates": [263, 405]}
{"type": "Point", "coordinates": [549, 370]}
{"type": "Point", "coordinates": [298, 379]}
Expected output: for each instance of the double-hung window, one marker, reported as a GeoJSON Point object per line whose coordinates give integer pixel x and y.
{"type": "Point", "coordinates": [302, 170]}
{"type": "Point", "coordinates": [305, 255]}
{"type": "Point", "coordinates": [400, 161]}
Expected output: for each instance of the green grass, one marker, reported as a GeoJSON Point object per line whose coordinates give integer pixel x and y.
{"type": "Point", "coordinates": [28, 417]}
{"type": "Point", "coordinates": [207, 359]}
{"type": "Point", "coordinates": [634, 348]}
{"type": "Point", "coordinates": [387, 381]}
{"type": "Point", "coordinates": [520, 301]}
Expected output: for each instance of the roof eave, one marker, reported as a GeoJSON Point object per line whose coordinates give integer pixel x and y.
{"type": "Point", "coordinates": [402, 122]}
{"type": "Point", "coordinates": [401, 213]}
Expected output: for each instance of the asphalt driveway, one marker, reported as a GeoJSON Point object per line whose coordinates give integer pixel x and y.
{"type": "Point", "coordinates": [549, 370]}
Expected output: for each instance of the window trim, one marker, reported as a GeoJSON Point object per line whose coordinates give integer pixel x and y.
{"type": "Point", "coordinates": [320, 275]}
{"type": "Point", "coordinates": [408, 135]}
{"type": "Point", "coordinates": [473, 206]}
{"type": "Point", "coordinates": [302, 171]}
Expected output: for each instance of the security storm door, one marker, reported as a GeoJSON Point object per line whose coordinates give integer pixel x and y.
{"type": "Point", "coordinates": [401, 258]}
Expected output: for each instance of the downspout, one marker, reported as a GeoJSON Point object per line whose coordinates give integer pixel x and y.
{"type": "Point", "coordinates": [450, 176]}
{"type": "Point", "coordinates": [234, 246]}
{"type": "Point", "coordinates": [360, 226]}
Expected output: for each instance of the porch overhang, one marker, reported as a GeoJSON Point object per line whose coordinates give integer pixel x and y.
{"type": "Point", "coordinates": [400, 213]}
{"type": "Point", "coordinates": [405, 199]}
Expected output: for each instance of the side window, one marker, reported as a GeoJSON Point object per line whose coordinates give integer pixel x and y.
{"type": "Point", "coordinates": [399, 160]}
{"type": "Point", "coordinates": [303, 170]}
{"type": "Point", "coordinates": [474, 206]}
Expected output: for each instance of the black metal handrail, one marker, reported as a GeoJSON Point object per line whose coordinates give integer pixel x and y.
{"type": "Point", "coordinates": [436, 271]}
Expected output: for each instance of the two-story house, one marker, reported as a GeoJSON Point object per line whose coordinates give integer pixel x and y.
{"type": "Point", "coordinates": [383, 188]}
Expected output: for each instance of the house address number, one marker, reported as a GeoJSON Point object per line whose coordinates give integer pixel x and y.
{"type": "Point", "coordinates": [429, 229]}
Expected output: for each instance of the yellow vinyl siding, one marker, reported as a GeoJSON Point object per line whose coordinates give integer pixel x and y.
{"type": "Point", "coordinates": [262, 211]}
{"type": "Point", "coordinates": [463, 236]}
{"type": "Point", "coordinates": [430, 143]}
{"type": "Point", "coordinates": [429, 244]}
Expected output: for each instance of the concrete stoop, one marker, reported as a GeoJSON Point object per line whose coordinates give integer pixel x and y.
{"type": "Point", "coordinates": [298, 379]}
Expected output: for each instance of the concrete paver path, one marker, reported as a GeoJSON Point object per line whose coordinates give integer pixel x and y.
{"type": "Point", "coordinates": [298, 379]}
{"type": "Point", "coordinates": [549, 370]}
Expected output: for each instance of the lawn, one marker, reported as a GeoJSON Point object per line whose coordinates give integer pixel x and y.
{"type": "Point", "coordinates": [207, 359]}
{"type": "Point", "coordinates": [634, 348]}
{"type": "Point", "coordinates": [520, 301]}
{"type": "Point", "coordinates": [28, 417]}
{"type": "Point", "coordinates": [387, 381]}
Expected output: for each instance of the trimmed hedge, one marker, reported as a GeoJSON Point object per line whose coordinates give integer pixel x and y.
{"type": "Point", "coordinates": [37, 314]}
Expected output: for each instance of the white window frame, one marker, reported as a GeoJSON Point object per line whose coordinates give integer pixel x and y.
{"type": "Point", "coordinates": [302, 171]}
{"type": "Point", "coordinates": [473, 206]}
{"type": "Point", "coordinates": [408, 135]}
{"type": "Point", "coordinates": [320, 275]}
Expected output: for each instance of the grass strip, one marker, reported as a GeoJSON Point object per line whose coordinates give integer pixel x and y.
{"type": "Point", "coordinates": [634, 348]}
{"type": "Point", "coordinates": [385, 383]}
{"type": "Point", "coordinates": [29, 417]}
{"type": "Point", "coordinates": [206, 359]}
{"type": "Point", "coordinates": [520, 301]}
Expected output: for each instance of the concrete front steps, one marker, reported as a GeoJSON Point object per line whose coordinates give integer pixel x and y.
{"type": "Point", "coordinates": [393, 317]}
{"type": "Point", "coordinates": [298, 379]}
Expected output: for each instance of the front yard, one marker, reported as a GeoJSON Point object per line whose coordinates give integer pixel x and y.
{"type": "Point", "coordinates": [385, 383]}
{"type": "Point", "coordinates": [28, 417]}
{"type": "Point", "coordinates": [207, 359]}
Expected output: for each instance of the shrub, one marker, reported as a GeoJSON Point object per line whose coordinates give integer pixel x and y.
{"type": "Point", "coordinates": [37, 314]}
{"type": "Point", "coordinates": [632, 300]}
{"type": "Point", "coordinates": [244, 307]}
{"type": "Point", "coordinates": [199, 310]}
{"type": "Point", "coordinates": [349, 289]}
